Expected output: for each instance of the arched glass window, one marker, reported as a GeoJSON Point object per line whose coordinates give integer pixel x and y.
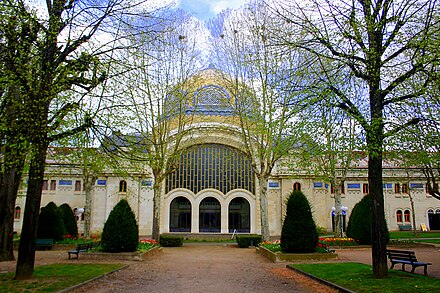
{"type": "Point", "coordinates": [17, 214]}
{"type": "Point", "coordinates": [297, 186]}
{"type": "Point", "coordinates": [396, 188]}
{"type": "Point", "coordinates": [122, 186]}
{"type": "Point", "coordinates": [180, 215]}
{"type": "Point", "coordinates": [407, 216]}
{"type": "Point", "coordinates": [430, 211]}
{"type": "Point", "coordinates": [212, 166]}
{"type": "Point", "coordinates": [209, 215]}
{"type": "Point", "coordinates": [239, 216]}
{"type": "Point", "coordinates": [399, 216]}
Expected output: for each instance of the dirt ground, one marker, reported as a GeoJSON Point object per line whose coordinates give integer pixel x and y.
{"type": "Point", "coordinates": [212, 268]}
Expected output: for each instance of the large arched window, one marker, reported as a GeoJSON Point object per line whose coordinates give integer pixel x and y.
{"type": "Point", "coordinates": [210, 215]}
{"type": "Point", "coordinates": [239, 216]}
{"type": "Point", "coordinates": [212, 166]}
{"type": "Point", "coordinates": [180, 215]}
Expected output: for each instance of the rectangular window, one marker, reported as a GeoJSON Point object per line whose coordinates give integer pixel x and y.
{"type": "Point", "coordinates": [45, 184]}
{"type": "Point", "coordinates": [342, 187]}
{"type": "Point", "coordinates": [365, 188]}
{"type": "Point", "coordinates": [78, 185]}
{"type": "Point", "coordinates": [53, 184]}
{"type": "Point", "coordinates": [404, 188]}
{"type": "Point", "coordinates": [396, 188]}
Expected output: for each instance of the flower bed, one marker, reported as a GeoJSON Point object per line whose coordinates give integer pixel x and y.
{"type": "Point", "coordinates": [146, 248]}
{"type": "Point", "coordinates": [338, 241]}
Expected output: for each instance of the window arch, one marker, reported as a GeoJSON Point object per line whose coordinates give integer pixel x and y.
{"type": "Point", "coordinates": [209, 215]}
{"type": "Point", "coordinates": [239, 215]}
{"type": "Point", "coordinates": [122, 186]}
{"type": "Point", "coordinates": [399, 216]}
{"type": "Point", "coordinates": [212, 166]}
{"type": "Point", "coordinates": [17, 214]}
{"type": "Point", "coordinates": [180, 215]}
{"type": "Point", "coordinates": [297, 186]}
{"type": "Point", "coordinates": [407, 216]}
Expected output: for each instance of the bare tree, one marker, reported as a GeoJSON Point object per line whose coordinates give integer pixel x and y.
{"type": "Point", "coordinates": [381, 45]}
{"type": "Point", "coordinates": [260, 78]}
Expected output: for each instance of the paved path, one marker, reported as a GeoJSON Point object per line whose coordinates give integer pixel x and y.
{"type": "Point", "coordinates": [203, 268]}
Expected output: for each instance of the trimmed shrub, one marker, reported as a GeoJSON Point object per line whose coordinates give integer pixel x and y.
{"type": "Point", "coordinates": [299, 233]}
{"type": "Point", "coordinates": [359, 224]}
{"type": "Point", "coordinates": [50, 223]}
{"type": "Point", "coordinates": [245, 241]}
{"type": "Point", "coordinates": [171, 241]}
{"type": "Point", "coordinates": [121, 231]}
{"type": "Point", "coordinates": [69, 220]}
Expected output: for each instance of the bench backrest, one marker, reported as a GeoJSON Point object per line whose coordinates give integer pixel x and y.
{"type": "Point", "coordinates": [406, 255]}
{"type": "Point", "coordinates": [43, 241]}
{"type": "Point", "coordinates": [83, 246]}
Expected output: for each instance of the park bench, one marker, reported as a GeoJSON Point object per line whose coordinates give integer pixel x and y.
{"type": "Point", "coordinates": [405, 227]}
{"type": "Point", "coordinates": [406, 257]}
{"type": "Point", "coordinates": [43, 244]}
{"type": "Point", "coordinates": [83, 247]}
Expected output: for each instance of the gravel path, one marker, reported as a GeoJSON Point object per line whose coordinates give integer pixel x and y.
{"type": "Point", "coordinates": [205, 268]}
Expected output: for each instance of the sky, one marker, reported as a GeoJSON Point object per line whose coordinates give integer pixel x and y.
{"type": "Point", "coordinates": [206, 9]}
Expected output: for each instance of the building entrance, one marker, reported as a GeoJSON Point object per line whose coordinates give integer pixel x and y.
{"type": "Point", "coordinates": [210, 215]}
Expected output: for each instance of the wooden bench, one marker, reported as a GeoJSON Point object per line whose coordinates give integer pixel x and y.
{"type": "Point", "coordinates": [82, 247]}
{"type": "Point", "coordinates": [405, 227]}
{"type": "Point", "coordinates": [406, 257]}
{"type": "Point", "coordinates": [43, 244]}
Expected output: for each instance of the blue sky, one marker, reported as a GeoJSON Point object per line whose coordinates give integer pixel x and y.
{"type": "Point", "coordinates": [206, 9]}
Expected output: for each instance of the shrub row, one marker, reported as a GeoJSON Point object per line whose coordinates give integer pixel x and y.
{"type": "Point", "coordinates": [245, 241]}
{"type": "Point", "coordinates": [171, 241]}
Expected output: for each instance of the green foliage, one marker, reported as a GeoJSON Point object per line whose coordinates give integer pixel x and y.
{"type": "Point", "coordinates": [121, 232]}
{"type": "Point", "coordinates": [247, 240]}
{"type": "Point", "coordinates": [170, 241]}
{"type": "Point", "coordinates": [69, 220]}
{"type": "Point", "coordinates": [359, 224]}
{"type": "Point", "coordinates": [299, 233]}
{"type": "Point", "coordinates": [50, 223]}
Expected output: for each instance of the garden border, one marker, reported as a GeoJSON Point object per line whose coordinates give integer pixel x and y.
{"type": "Point", "coordinates": [283, 257]}
{"type": "Point", "coordinates": [133, 256]}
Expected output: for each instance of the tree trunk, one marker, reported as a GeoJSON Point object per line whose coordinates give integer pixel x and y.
{"type": "Point", "coordinates": [338, 208]}
{"type": "Point", "coordinates": [88, 189]}
{"type": "Point", "coordinates": [10, 182]}
{"type": "Point", "coordinates": [156, 210]}
{"type": "Point", "coordinates": [264, 206]}
{"type": "Point", "coordinates": [26, 249]}
{"type": "Point", "coordinates": [378, 223]}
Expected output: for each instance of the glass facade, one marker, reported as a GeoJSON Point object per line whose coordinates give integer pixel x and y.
{"type": "Point", "coordinates": [212, 166]}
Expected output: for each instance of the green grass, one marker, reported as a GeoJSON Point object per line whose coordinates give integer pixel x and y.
{"type": "Point", "coordinates": [410, 234]}
{"type": "Point", "coordinates": [428, 241]}
{"type": "Point", "coordinates": [56, 277]}
{"type": "Point", "coordinates": [359, 278]}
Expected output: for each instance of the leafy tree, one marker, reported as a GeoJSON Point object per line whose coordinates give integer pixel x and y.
{"type": "Point", "coordinates": [156, 98]}
{"type": "Point", "coordinates": [299, 232]}
{"type": "Point", "coordinates": [50, 223]}
{"type": "Point", "coordinates": [381, 46]}
{"type": "Point", "coordinates": [69, 220]}
{"type": "Point", "coordinates": [121, 232]}
{"type": "Point", "coordinates": [260, 80]}
{"type": "Point", "coordinates": [359, 224]}
{"type": "Point", "coordinates": [61, 67]}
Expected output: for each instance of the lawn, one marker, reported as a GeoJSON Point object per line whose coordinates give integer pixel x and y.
{"type": "Point", "coordinates": [56, 277]}
{"type": "Point", "coordinates": [359, 278]}
{"type": "Point", "coordinates": [410, 234]}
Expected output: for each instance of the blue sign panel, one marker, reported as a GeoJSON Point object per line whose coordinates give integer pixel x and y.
{"type": "Point", "coordinates": [101, 182]}
{"type": "Point", "coordinates": [65, 182]}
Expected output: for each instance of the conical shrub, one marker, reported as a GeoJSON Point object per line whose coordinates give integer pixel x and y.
{"type": "Point", "coordinates": [121, 231]}
{"type": "Point", "coordinates": [69, 220]}
{"type": "Point", "coordinates": [299, 234]}
{"type": "Point", "coordinates": [359, 224]}
{"type": "Point", "coordinates": [50, 223]}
